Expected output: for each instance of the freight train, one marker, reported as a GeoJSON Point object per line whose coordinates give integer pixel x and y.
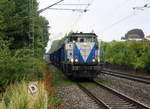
{"type": "Point", "coordinates": [78, 56]}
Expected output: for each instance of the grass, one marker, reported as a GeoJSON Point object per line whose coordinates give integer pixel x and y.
{"type": "Point", "coordinates": [60, 80]}
{"type": "Point", "coordinates": [56, 74]}
{"type": "Point", "coordinates": [88, 83]}
{"type": "Point", "coordinates": [54, 100]}
{"type": "Point", "coordinates": [124, 80]}
{"type": "Point", "coordinates": [18, 97]}
{"type": "Point", "coordinates": [103, 81]}
{"type": "Point", "coordinates": [63, 83]}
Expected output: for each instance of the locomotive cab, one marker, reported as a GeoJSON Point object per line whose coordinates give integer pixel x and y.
{"type": "Point", "coordinates": [82, 54]}
{"type": "Point", "coordinates": [82, 49]}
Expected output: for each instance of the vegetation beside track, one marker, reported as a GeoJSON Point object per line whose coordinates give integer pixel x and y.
{"type": "Point", "coordinates": [61, 80]}
{"type": "Point", "coordinates": [17, 96]}
{"type": "Point", "coordinates": [124, 80]}
{"type": "Point", "coordinates": [19, 64]}
{"type": "Point", "coordinates": [103, 81]}
{"type": "Point", "coordinates": [53, 80]}
{"type": "Point", "coordinates": [18, 61]}
{"type": "Point", "coordinates": [53, 99]}
{"type": "Point", "coordinates": [132, 54]}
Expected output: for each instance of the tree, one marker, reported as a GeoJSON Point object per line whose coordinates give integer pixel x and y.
{"type": "Point", "coordinates": [133, 54]}
{"type": "Point", "coordinates": [148, 36]}
{"type": "Point", "coordinates": [15, 21]}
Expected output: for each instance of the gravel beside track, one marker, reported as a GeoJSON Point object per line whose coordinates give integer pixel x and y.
{"type": "Point", "coordinates": [136, 90]}
{"type": "Point", "coordinates": [72, 96]}
{"type": "Point", "coordinates": [75, 98]}
{"type": "Point", "coordinates": [112, 99]}
{"type": "Point", "coordinates": [127, 76]}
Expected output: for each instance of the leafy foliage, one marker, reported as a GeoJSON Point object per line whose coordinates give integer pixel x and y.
{"type": "Point", "coordinates": [15, 20]}
{"type": "Point", "coordinates": [148, 36]}
{"type": "Point", "coordinates": [133, 54]}
{"type": "Point", "coordinates": [16, 58]}
{"type": "Point", "coordinates": [19, 66]}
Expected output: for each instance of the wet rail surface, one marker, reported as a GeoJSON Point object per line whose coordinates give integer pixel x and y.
{"type": "Point", "coordinates": [108, 98]}
{"type": "Point", "coordinates": [127, 76]}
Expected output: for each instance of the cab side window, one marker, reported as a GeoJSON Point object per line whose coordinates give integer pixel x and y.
{"type": "Point", "coordinates": [82, 40]}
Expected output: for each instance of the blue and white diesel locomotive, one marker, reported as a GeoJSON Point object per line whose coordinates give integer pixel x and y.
{"type": "Point", "coordinates": [78, 56]}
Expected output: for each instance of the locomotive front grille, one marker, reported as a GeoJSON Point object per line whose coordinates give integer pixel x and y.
{"type": "Point", "coordinates": [84, 68]}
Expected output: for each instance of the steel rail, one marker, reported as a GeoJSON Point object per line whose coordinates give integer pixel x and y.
{"type": "Point", "coordinates": [98, 101]}
{"type": "Point", "coordinates": [127, 76]}
{"type": "Point", "coordinates": [138, 104]}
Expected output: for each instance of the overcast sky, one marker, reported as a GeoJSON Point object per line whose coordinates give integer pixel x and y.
{"type": "Point", "coordinates": [109, 19]}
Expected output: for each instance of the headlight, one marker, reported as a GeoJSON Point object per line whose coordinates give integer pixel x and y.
{"type": "Point", "coordinates": [93, 60]}
{"type": "Point", "coordinates": [76, 60]}
{"type": "Point", "coordinates": [72, 60]}
{"type": "Point", "coordinates": [98, 60]}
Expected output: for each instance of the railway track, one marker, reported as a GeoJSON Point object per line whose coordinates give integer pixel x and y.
{"type": "Point", "coordinates": [108, 98]}
{"type": "Point", "coordinates": [127, 76]}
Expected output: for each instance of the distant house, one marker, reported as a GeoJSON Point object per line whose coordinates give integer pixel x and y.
{"type": "Point", "coordinates": [134, 34]}
{"type": "Point", "coordinates": [147, 39]}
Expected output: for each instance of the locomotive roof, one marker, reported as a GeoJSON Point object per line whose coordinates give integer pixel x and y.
{"type": "Point", "coordinates": [58, 43]}
{"type": "Point", "coordinates": [82, 34]}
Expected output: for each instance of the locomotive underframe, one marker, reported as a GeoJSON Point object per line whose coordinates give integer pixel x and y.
{"type": "Point", "coordinates": [81, 71]}
{"type": "Point", "coordinates": [84, 68]}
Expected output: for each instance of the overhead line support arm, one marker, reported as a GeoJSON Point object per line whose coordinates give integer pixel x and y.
{"type": "Point", "coordinates": [49, 6]}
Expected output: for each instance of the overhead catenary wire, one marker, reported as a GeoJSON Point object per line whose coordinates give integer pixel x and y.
{"type": "Point", "coordinates": [74, 4]}
{"type": "Point", "coordinates": [32, 14]}
{"type": "Point", "coordinates": [147, 5]}
{"type": "Point", "coordinates": [77, 9]}
{"type": "Point", "coordinates": [118, 7]}
{"type": "Point", "coordinates": [49, 6]}
{"type": "Point", "coordinates": [117, 22]}
{"type": "Point", "coordinates": [80, 10]}
{"type": "Point", "coordinates": [121, 20]}
{"type": "Point", "coordinates": [73, 19]}
{"type": "Point", "coordinates": [70, 9]}
{"type": "Point", "coordinates": [80, 15]}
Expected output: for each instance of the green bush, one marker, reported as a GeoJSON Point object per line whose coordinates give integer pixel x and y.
{"type": "Point", "coordinates": [145, 58]}
{"type": "Point", "coordinates": [15, 69]}
{"type": "Point", "coordinates": [16, 60]}
{"type": "Point", "coordinates": [131, 54]}
{"type": "Point", "coordinates": [18, 65]}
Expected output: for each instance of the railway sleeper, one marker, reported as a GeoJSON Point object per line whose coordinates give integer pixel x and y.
{"type": "Point", "coordinates": [121, 105]}
{"type": "Point", "coordinates": [118, 103]}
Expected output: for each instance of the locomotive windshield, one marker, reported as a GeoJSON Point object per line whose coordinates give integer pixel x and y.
{"type": "Point", "coordinates": [82, 39]}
